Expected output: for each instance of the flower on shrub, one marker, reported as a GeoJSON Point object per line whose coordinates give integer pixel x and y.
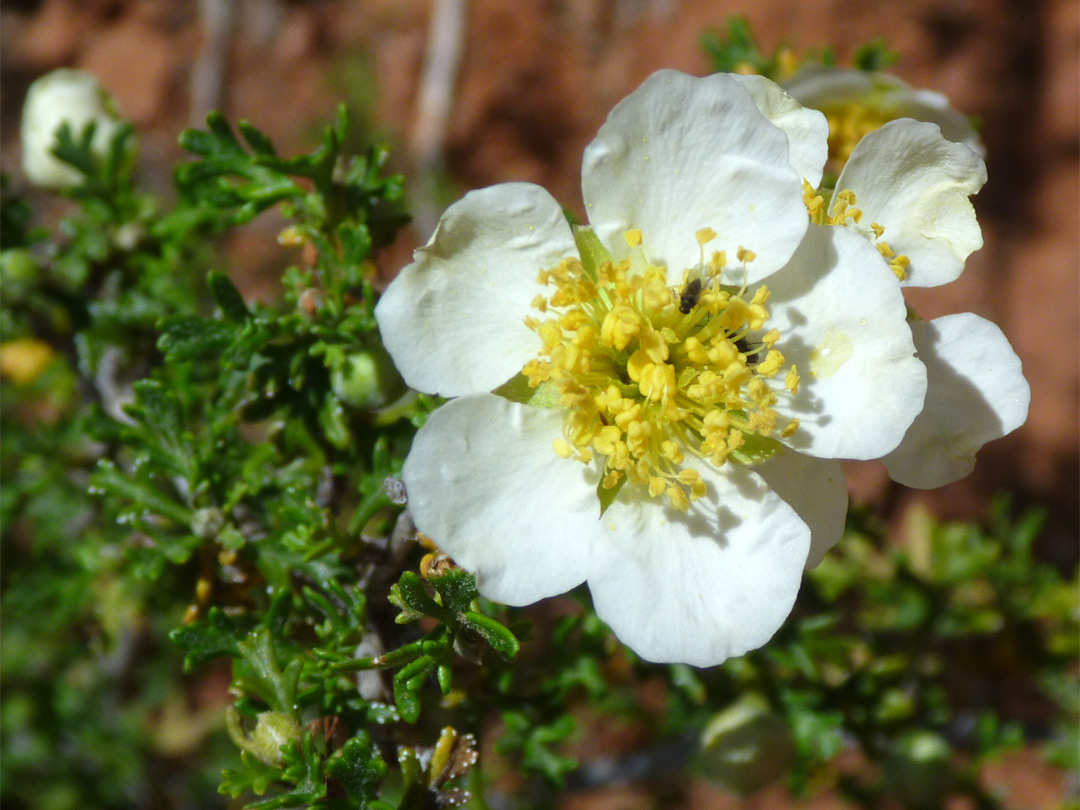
{"type": "Point", "coordinates": [857, 102]}
{"type": "Point", "coordinates": [654, 404]}
{"type": "Point", "coordinates": [70, 96]}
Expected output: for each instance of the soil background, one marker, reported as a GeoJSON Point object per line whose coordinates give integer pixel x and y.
{"type": "Point", "coordinates": [536, 79]}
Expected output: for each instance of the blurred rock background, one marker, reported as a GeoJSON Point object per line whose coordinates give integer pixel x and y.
{"type": "Point", "coordinates": [505, 90]}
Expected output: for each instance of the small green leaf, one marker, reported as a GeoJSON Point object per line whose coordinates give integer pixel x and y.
{"type": "Point", "coordinates": [498, 637]}
{"type": "Point", "coordinates": [211, 637]}
{"type": "Point", "coordinates": [360, 768]}
{"type": "Point", "coordinates": [227, 297]}
{"type": "Point", "coordinates": [186, 337]}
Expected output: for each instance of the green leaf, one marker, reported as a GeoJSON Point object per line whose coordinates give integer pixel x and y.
{"type": "Point", "coordinates": [875, 56]}
{"type": "Point", "coordinates": [360, 768]}
{"type": "Point", "coordinates": [498, 637]}
{"type": "Point", "coordinates": [457, 588]}
{"type": "Point", "coordinates": [212, 636]}
{"type": "Point", "coordinates": [407, 683]}
{"type": "Point", "coordinates": [187, 337]}
{"type": "Point", "coordinates": [227, 297]}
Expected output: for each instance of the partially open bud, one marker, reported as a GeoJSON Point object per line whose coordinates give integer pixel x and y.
{"type": "Point", "coordinates": [367, 380]}
{"type": "Point", "coordinates": [746, 747]}
{"type": "Point", "coordinates": [63, 95]}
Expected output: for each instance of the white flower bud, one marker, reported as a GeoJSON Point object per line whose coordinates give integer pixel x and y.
{"type": "Point", "coordinates": [63, 95]}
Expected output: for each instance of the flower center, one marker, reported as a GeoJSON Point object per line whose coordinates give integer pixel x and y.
{"type": "Point", "coordinates": [648, 372]}
{"type": "Point", "coordinates": [848, 123]}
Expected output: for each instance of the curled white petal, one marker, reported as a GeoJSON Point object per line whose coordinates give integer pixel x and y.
{"type": "Point", "coordinates": [977, 393]}
{"type": "Point", "coordinates": [826, 88]}
{"type": "Point", "coordinates": [916, 184]}
{"type": "Point", "coordinates": [680, 154]}
{"type": "Point", "coordinates": [807, 129]}
{"type": "Point", "coordinates": [484, 483]}
{"type": "Point", "coordinates": [454, 319]}
{"type": "Point", "coordinates": [841, 317]}
{"type": "Point", "coordinates": [700, 587]}
{"type": "Point", "coordinates": [815, 488]}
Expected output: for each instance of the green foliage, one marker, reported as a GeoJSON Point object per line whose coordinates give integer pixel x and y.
{"type": "Point", "coordinates": [190, 502]}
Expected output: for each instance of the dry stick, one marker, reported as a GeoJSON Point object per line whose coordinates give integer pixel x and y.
{"type": "Point", "coordinates": [208, 74]}
{"type": "Point", "coordinates": [446, 35]}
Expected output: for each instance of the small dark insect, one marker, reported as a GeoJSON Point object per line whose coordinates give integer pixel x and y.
{"type": "Point", "coordinates": [689, 297]}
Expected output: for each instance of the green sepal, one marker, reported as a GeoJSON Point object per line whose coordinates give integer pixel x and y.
{"type": "Point", "coordinates": [517, 390]}
{"type": "Point", "coordinates": [592, 251]}
{"type": "Point", "coordinates": [607, 495]}
{"type": "Point", "coordinates": [755, 449]}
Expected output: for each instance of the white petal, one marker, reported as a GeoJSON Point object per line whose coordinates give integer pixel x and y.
{"type": "Point", "coordinates": [909, 179]}
{"type": "Point", "coordinates": [680, 154]}
{"type": "Point", "coordinates": [807, 130]}
{"type": "Point", "coordinates": [977, 393]}
{"type": "Point", "coordinates": [841, 317]}
{"type": "Point", "coordinates": [700, 587]}
{"type": "Point", "coordinates": [453, 320]}
{"type": "Point", "coordinates": [815, 488]}
{"type": "Point", "coordinates": [485, 484]}
{"type": "Point", "coordinates": [827, 88]}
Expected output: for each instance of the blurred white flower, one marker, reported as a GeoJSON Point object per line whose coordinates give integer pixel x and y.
{"type": "Point", "coordinates": [663, 423]}
{"type": "Point", "coordinates": [63, 95]}
{"type": "Point", "coordinates": [857, 102]}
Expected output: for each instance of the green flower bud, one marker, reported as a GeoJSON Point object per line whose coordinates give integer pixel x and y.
{"type": "Point", "coordinates": [746, 747]}
{"type": "Point", "coordinates": [367, 380]}
{"type": "Point", "coordinates": [917, 770]}
{"type": "Point", "coordinates": [63, 95]}
{"type": "Point", "coordinates": [272, 730]}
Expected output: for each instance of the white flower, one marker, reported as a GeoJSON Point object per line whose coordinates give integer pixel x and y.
{"type": "Point", "coordinates": [63, 95]}
{"type": "Point", "coordinates": [906, 188]}
{"type": "Point", "coordinates": [857, 102]}
{"type": "Point", "coordinates": [702, 395]}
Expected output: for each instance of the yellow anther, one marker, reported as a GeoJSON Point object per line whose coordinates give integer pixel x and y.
{"type": "Point", "coordinates": [563, 448]}
{"type": "Point", "coordinates": [654, 346]}
{"type": "Point", "coordinates": [704, 236]}
{"type": "Point", "coordinates": [770, 337]}
{"type": "Point", "coordinates": [746, 256]}
{"type": "Point", "coordinates": [540, 303]}
{"type": "Point", "coordinates": [678, 498]}
{"type": "Point", "coordinates": [790, 429]}
{"type": "Point", "coordinates": [633, 237]}
{"type": "Point", "coordinates": [791, 381]}
{"type": "Point", "coordinates": [877, 229]}
{"type": "Point", "coordinates": [772, 364]}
